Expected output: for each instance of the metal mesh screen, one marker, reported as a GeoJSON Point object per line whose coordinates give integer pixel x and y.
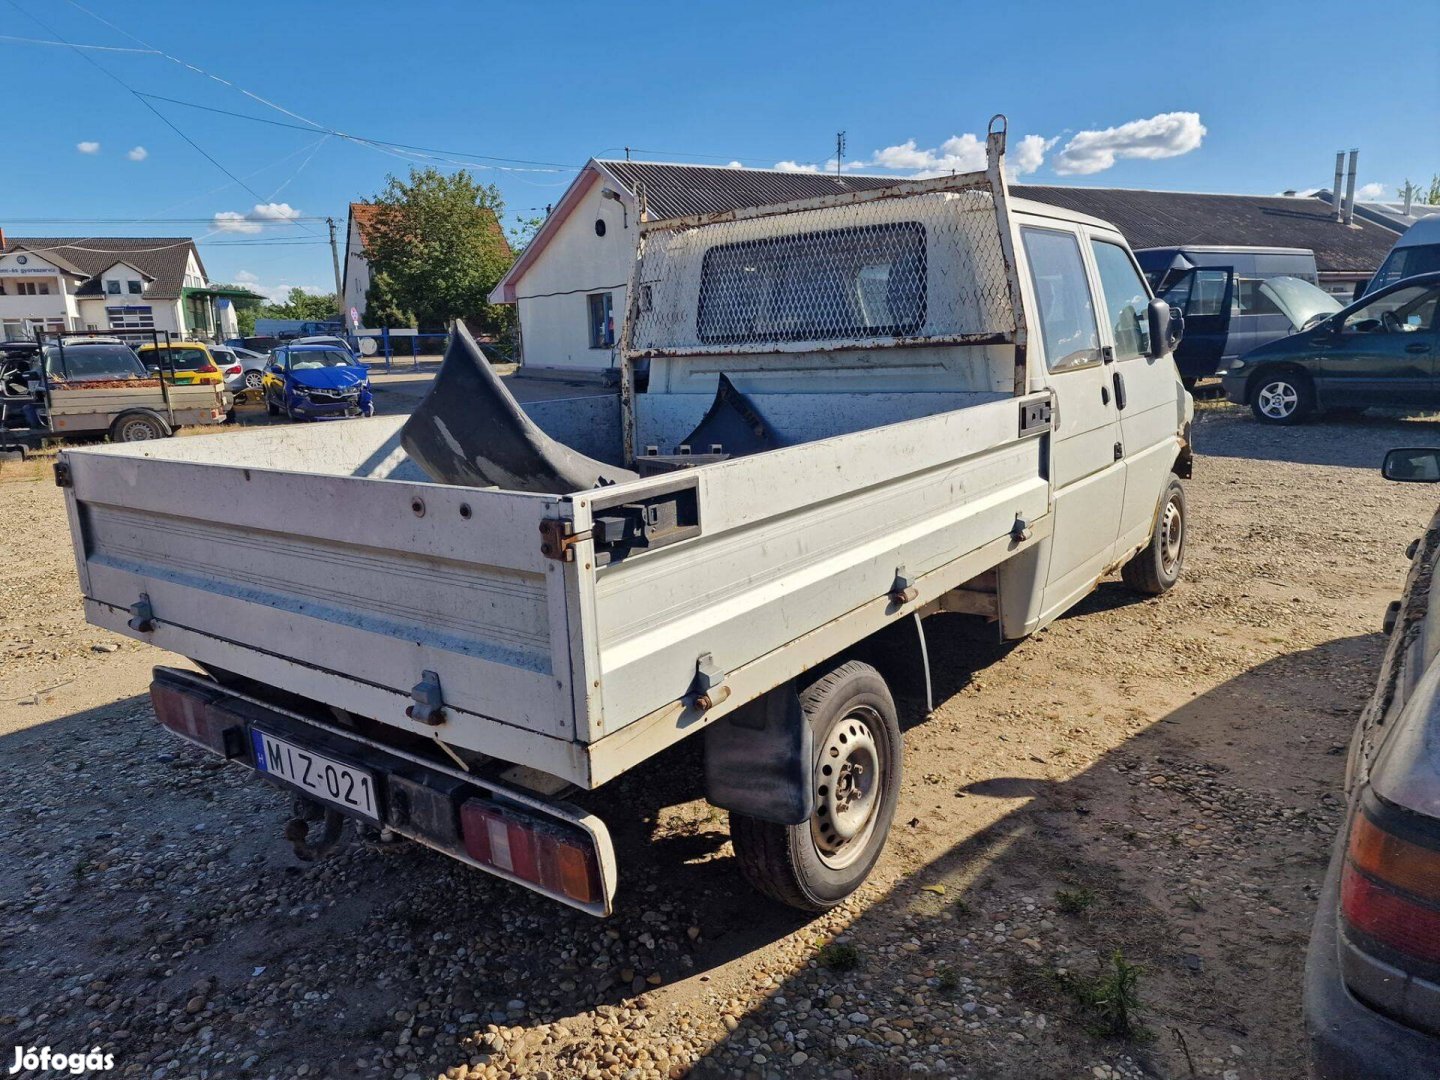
{"type": "Point", "coordinates": [926, 266]}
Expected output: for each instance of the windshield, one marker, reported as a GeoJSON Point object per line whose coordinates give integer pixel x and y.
{"type": "Point", "coordinates": [1300, 302]}
{"type": "Point", "coordinates": [309, 359]}
{"type": "Point", "coordinates": [93, 362]}
{"type": "Point", "coordinates": [1406, 262]}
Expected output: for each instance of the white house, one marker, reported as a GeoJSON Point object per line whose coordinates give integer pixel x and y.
{"type": "Point", "coordinates": [111, 283]}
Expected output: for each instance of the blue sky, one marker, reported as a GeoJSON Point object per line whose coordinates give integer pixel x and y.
{"type": "Point", "coordinates": [1239, 97]}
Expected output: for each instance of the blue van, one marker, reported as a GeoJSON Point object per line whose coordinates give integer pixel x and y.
{"type": "Point", "coordinates": [1235, 299]}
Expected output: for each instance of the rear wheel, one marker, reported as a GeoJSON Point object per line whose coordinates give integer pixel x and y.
{"type": "Point", "coordinates": [254, 380]}
{"type": "Point", "coordinates": [856, 777]}
{"type": "Point", "coordinates": [138, 428]}
{"type": "Point", "coordinates": [1156, 567]}
{"type": "Point", "coordinates": [1282, 398]}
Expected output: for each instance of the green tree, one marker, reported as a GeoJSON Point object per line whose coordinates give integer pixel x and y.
{"type": "Point", "coordinates": [437, 241]}
{"type": "Point", "coordinates": [382, 305]}
{"type": "Point", "coordinates": [300, 304]}
{"type": "Point", "coordinates": [1434, 197]}
{"type": "Point", "coordinates": [524, 232]}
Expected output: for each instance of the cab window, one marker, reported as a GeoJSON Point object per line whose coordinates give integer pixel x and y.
{"type": "Point", "coordinates": [1126, 301]}
{"type": "Point", "coordinates": [1068, 329]}
{"type": "Point", "coordinates": [1403, 311]}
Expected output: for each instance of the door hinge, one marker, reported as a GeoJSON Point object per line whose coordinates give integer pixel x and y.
{"type": "Point", "coordinates": [1119, 451]}
{"type": "Point", "coordinates": [558, 539]}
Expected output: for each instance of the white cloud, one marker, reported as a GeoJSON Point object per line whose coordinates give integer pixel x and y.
{"type": "Point", "coordinates": [959, 153]}
{"type": "Point", "coordinates": [278, 293]}
{"type": "Point", "coordinates": [1161, 136]}
{"type": "Point", "coordinates": [245, 277]}
{"type": "Point", "coordinates": [259, 216]}
{"type": "Point", "coordinates": [234, 221]}
{"type": "Point", "coordinates": [274, 211]}
{"type": "Point", "coordinates": [88, 147]}
{"type": "Point", "coordinates": [1029, 153]}
{"type": "Point", "coordinates": [1370, 192]}
{"type": "Point", "coordinates": [137, 153]}
{"type": "Point", "coordinates": [735, 165]}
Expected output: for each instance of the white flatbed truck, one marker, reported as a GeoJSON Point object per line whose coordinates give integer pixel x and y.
{"type": "Point", "coordinates": [966, 403]}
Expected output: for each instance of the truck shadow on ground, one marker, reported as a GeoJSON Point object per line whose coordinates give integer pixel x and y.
{"type": "Point", "coordinates": [159, 871]}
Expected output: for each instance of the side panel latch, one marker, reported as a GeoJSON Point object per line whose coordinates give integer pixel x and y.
{"type": "Point", "coordinates": [142, 615]}
{"type": "Point", "coordinates": [708, 689]}
{"type": "Point", "coordinates": [558, 539]}
{"type": "Point", "coordinates": [429, 707]}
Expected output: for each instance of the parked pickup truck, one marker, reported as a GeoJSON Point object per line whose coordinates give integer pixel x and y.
{"type": "Point", "coordinates": [860, 410]}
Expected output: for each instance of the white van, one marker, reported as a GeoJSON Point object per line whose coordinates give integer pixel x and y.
{"type": "Point", "coordinates": [1416, 252]}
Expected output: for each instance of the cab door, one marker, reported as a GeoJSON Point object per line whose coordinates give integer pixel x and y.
{"type": "Point", "coordinates": [1089, 474]}
{"type": "Point", "coordinates": [1148, 396]}
{"type": "Point", "coordinates": [1205, 295]}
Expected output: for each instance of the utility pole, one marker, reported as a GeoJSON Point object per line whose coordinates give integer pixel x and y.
{"type": "Point", "coordinates": [839, 150]}
{"type": "Point", "coordinates": [335, 261]}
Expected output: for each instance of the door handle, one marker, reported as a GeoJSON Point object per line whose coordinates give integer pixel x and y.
{"type": "Point", "coordinates": [1104, 394]}
{"type": "Point", "coordinates": [1119, 390]}
{"type": "Point", "coordinates": [1418, 346]}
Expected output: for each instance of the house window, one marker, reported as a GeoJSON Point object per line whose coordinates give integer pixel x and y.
{"type": "Point", "coordinates": [44, 288]}
{"type": "Point", "coordinates": [602, 320]}
{"type": "Point", "coordinates": [134, 287]}
{"type": "Point", "coordinates": [113, 288]}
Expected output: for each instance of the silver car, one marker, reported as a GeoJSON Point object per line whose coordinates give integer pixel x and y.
{"type": "Point", "coordinates": [244, 369]}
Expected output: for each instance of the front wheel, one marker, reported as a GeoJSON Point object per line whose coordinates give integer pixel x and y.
{"type": "Point", "coordinates": [1282, 398]}
{"type": "Point", "coordinates": [1156, 567]}
{"type": "Point", "coordinates": [856, 779]}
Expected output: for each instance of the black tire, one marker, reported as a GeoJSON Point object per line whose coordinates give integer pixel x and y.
{"type": "Point", "coordinates": [1282, 397]}
{"type": "Point", "coordinates": [1156, 567]}
{"type": "Point", "coordinates": [138, 427]}
{"type": "Point", "coordinates": [810, 866]}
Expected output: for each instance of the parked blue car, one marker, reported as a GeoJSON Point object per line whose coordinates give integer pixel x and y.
{"type": "Point", "coordinates": [317, 382]}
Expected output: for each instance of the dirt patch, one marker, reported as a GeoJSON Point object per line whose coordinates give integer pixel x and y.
{"type": "Point", "coordinates": [1141, 796]}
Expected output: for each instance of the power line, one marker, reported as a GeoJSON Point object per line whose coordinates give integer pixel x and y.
{"type": "Point", "coordinates": [75, 45]}
{"type": "Point", "coordinates": [550, 166]}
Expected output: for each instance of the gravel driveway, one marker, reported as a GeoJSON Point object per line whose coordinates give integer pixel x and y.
{"type": "Point", "coordinates": [1134, 804]}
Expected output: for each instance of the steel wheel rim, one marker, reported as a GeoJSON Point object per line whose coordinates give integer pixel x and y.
{"type": "Point", "coordinates": [253, 380]}
{"type": "Point", "coordinates": [1278, 399]}
{"type": "Point", "coordinates": [136, 431]}
{"type": "Point", "coordinates": [1172, 536]}
{"type": "Point", "coordinates": [847, 789]}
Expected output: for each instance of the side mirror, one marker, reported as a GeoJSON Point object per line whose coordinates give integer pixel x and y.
{"type": "Point", "coordinates": [1412, 465]}
{"type": "Point", "coordinates": [1167, 327]}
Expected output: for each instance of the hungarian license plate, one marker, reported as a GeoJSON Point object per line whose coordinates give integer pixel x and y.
{"type": "Point", "coordinates": [325, 778]}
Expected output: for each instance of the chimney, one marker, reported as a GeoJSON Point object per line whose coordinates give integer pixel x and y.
{"type": "Point", "coordinates": [1350, 189]}
{"type": "Point", "coordinates": [1335, 198]}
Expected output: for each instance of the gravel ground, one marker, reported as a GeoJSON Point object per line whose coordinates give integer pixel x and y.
{"type": "Point", "coordinates": [1145, 791]}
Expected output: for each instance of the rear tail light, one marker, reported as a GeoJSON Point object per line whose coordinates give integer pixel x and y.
{"type": "Point", "coordinates": [1390, 890]}
{"type": "Point", "coordinates": [534, 849]}
{"type": "Point", "coordinates": [198, 717]}
{"type": "Point", "coordinates": [207, 369]}
{"type": "Point", "coordinates": [234, 370]}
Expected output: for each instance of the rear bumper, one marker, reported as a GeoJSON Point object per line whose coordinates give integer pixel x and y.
{"type": "Point", "coordinates": [423, 800]}
{"type": "Point", "coordinates": [1348, 1039]}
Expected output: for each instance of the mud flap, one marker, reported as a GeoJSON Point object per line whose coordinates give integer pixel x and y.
{"type": "Point", "coordinates": [759, 759]}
